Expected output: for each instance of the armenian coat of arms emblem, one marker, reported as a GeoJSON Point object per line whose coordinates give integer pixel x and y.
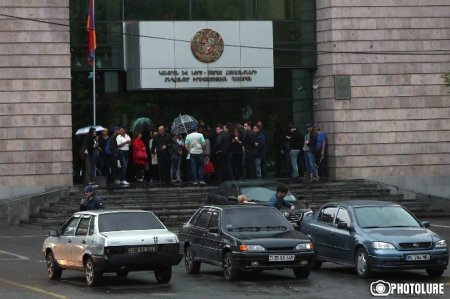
{"type": "Point", "coordinates": [207, 45]}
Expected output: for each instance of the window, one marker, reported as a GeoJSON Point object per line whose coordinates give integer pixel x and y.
{"type": "Point", "coordinates": [128, 221]}
{"type": "Point", "coordinates": [195, 217]}
{"type": "Point", "coordinates": [342, 217]}
{"type": "Point", "coordinates": [232, 190]}
{"type": "Point", "coordinates": [83, 227]}
{"type": "Point", "coordinates": [69, 229]}
{"type": "Point", "coordinates": [91, 226]}
{"type": "Point", "coordinates": [214, 220]}
{"type": "Point", "coordinates": [203, 219]}
{"type": "Point", "coordinates": [327, 214]}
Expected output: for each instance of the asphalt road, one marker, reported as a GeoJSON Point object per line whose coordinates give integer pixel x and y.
{"type": "Point", "coordinates": [23, 275]}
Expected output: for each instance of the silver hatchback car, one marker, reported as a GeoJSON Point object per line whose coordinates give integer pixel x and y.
{"type": "Point", "coordinates": [112, 241]}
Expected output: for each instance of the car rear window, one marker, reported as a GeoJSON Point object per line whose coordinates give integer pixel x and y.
{"type": "Point", "coordinates": [128, 221]}
{"type": "Point", "coordinates": [254, 217]}
{"type": "Point", "coordinates": [384, 216]}
{"type": "Point", "coordinates": [263, 193]}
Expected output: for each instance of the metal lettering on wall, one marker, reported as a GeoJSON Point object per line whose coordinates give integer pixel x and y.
{"type": "Point", "coordinates": [207, 76]}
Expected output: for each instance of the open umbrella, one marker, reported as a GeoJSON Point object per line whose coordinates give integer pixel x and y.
{"type": "Point", "coordinates": [183, 124]}
{"type": "Point", "coordinates": [85, 130]}
{"type": "Point", "coordinates": [142, 124]}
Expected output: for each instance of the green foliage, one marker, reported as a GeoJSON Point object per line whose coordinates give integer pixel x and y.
{"type": "Point", "coordinates": [446, 77]}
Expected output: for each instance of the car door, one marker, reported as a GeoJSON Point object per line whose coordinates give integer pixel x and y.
{"type": "Point", "coordinates": [198, 241]}
{"type": "Point", "coordinates": [322, 230]}
{"type": "Point", "coordinates": [212, 238]}
{"type": "Point", "coordinates": [343, 239]}
{"type": "Point", "coordinates": [80, 241]}
{"type": "Point", "coordinates": [63, 246]}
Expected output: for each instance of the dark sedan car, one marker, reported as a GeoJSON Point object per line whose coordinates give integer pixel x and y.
{"type": "Point", "coordinates": [244, 237]}
{"type": "Point", "coordinates": [258, 191]}
{"type": "Point", "coordinates": [374, 235]}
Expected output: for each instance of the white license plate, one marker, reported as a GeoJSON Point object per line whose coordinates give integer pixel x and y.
{"type": "Point", "coordinates": [142, 249]}
{"type": "Point", "coordinates": [281, 258]}
{"type": "Point", "coordinates": [418, 257]}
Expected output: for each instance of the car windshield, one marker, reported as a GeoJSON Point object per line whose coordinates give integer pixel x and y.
{"type": "Point", "coordinates": [128, 221]}
{"type": "Point", "coordinates": [263, 193]}
{"type": "Point", "coordinates": [387, 216]}
{"type": "Point", "coordinates": [254, 219]}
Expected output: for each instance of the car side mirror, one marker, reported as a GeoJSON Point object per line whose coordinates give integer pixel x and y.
{"type": "Point", "coordinates": [342, 225]}
{"type": "Point", "coordinates": [53, 233]}
{"type": "Point", "coordinates": [232, 199]}
{"type": "Point", "coordinates": [426, 224]}
{"type": "Point", "coordinates": [213, 230]}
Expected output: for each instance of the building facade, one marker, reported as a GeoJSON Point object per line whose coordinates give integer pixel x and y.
{"type": "Point", "coordinates": [35, 97]}
{"type": "Point", "coordinates": [368, 73]}
{"type": "Point", "coordinates": [395, 124]}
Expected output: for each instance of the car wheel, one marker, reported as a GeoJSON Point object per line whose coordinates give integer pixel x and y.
{"type": "Point", "coordinates": [122, 273]}
{"type": "Point", "coordinates": [163, 274]}
{"type": "Point", "coordinates": [301, 273]}
{"type": "Point", "coordinates": [362, 266]}
{"type": "Point", "coordinates": [229, 268]}
{"type": "Point", "coordinates": [53, 270]}
{"type": "Point", "coordinates": [93, 277]}
{"type": "Point", "coordinates": [192, 266]}
{"type": "Point", "coordinates": [435, 272]}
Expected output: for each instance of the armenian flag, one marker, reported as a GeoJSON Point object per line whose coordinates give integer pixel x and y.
{"type": "Point", "coordinates": [91, 30]}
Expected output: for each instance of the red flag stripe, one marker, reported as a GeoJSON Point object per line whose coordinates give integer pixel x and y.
{"type": "Point", "coordinates": [92, 38]}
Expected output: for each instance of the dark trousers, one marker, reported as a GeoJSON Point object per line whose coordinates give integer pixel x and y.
{"type": "Point", "coordinates": [164, 168]}
{"type": "Point", "coordinates": [221, 166]}
{"type": "Point", "coordinates": [111, 168]}
{"type": "Point", "coordinates": [250, 163]}
{"type": "Point", "coordinates": [236, 164]}
{"type": "Point", "coordinates": [322, 168]}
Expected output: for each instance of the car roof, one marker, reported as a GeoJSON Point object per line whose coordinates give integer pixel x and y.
{"type": "Point", "coordinates": [365, 203]}
{"type": "Point", "coordinates": [254, 183]}
{"type": "Point", "coordinates": [102, 212]}
{"type": "Point", "coordinates": [236, 206]}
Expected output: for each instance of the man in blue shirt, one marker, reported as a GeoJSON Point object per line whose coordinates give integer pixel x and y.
{"type": "Point", "coordinates": [277, 200]}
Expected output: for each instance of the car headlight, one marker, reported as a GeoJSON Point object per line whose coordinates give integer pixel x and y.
{"type": "Point", "coordinates": [305, 246]}
{"type": "Point", "coordinates": [382, 245]}
{"type": "Point", "coordinates": [440, 244]}
{"type": "Point", "coordinates": [245, 247]}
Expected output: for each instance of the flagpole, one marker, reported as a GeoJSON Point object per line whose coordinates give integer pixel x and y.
{"type": "Point", "coordinates": [93, 90]}
{"type": "Point", "coordinates": [93, 72]}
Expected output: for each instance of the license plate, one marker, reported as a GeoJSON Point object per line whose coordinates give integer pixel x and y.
{"type": "Point", "coordinates": [142, 249]}
{"type": "Point", "coordinates": [281, 258]}
{"type": "Point", "coordinates": [418, 257]}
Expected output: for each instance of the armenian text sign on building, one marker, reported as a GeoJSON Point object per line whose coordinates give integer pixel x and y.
{"type": "Point", "coordinates": [199, 54]}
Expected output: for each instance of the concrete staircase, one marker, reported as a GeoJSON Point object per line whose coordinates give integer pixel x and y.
{"type": "Point", "coordinates": [174, 205]}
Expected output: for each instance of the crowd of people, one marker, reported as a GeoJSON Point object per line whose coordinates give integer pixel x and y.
{"type": "Point", "coordinates": [231, 151]}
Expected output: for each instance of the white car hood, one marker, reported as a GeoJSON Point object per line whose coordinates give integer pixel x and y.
{"type": "Point", "coordinates": [139, 237]}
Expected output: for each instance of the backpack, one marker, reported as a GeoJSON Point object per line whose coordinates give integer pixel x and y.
{"type": "Point", "coordinates": [108, 147]}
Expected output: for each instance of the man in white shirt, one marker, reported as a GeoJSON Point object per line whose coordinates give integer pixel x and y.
{"type": "Point", "coordinates": [123, 145]}
{"type": "Point", "coordinates": [195, 144]}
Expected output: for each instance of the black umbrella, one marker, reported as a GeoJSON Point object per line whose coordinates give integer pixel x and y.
{"type": "Point", "coordinates": [183, 124]}
{"type": "Point", "coordinates": [142, 124]}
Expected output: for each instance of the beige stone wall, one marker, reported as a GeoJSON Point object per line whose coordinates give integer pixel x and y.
{"type": "Point", "coordinates": [35, 98]}
{"type": "Point", "coordinates": [397, 121]}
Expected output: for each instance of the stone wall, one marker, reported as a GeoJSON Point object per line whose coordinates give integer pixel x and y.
{"type": "Point", "coordinates": [397, 121]}
{"type": "Point", "coordinates": [35, 97]}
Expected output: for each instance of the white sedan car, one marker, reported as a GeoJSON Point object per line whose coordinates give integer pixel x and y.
{"type": "Point", "coordinates": [112, 241]}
